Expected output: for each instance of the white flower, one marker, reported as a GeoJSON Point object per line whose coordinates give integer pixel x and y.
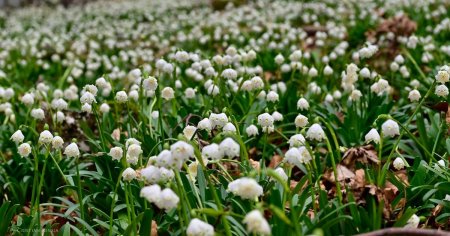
{"type": "Point", "coordinates": [133, 152]}
{"type": "Point", "coordinates": [256, 223]}
{"type": "Point", "coordinates": [399, 163]}
{"type": "Point", "coordinates": [38, 114]}
{"type": "Point", "coordinates": [189, 93]}
{"type": "Point", "coordinates": [57, 142]}
{"type": "Point", "coordinates": [229, 74]}
{"type": "Point", "coordinates": [328, 70]}
{"type": "Point", "coordinates": [414, 95]}
{"type": "Point", "coordinates": [150, 83]}
{"type": "Point", "coordinates": [229, 148]}
{"type": "Point", "coordinates": [246, 188]}
{"type": "Point", "coordinates": [279, 59]}
{"type": "Point", "coordinates": [212, 151]}
{"type": "Point", "coordinates": [442, 76]}
{"type": "Point", "coordinates": [181, 56]}
{"type": "Point", "coordinates": [441, 90]}
{"type": "Point", "coordinates": [293, 156]}
{"type": "Point", "coordinates": [296, 56]}
{"type": "Point", "coordinates": [86, 108]}
{"type": "Point", "coordinates": [199, 228]}
{"type": "Point", "coordinates": [132, 141]}
{"type": "Point", "coordinates": [45, 137]}
{"type": "Point", "coordinates": [301, 121]}
{"type": "Point", "coordinates": [151, 193]}
{"type": "Point", "coordinates": [257, 83]}
{"type": "Point", "coordinates": [305, 157]}
{"type": "Point", "coordinates": [155, 114]}
{"type": "Point", "coordinates": [167, 200]}
{"type": "Point", "coordinates": [365, 73]}
{"type": "Point", "coordinates": [229, 128]}
{"type": "Point", "coordinates": [277, 116]}
{"type": "Point", "coordinates": [205, 124]}
{"type": "Point", "coordinates": [302, 104]}
{"type": "Point", "coordinates": [399, 59]}
{"type": "Point", "coordinates": [265, 120]}
{"type": "Point", "coordinates": [72, 150]}
{"type": "Point", "coordinates": [104, 108]}
{"type": "Point", "coordinates": [355, 95]}
{"type": "Point", "coordinates": [121, 97]}
{"type": "Point", "coordinates": [252, 130]}
{"type": "Point", "coordinates": [17, 137]}
{"type": "Point", "coordinates": [272, 97]}
{"type": "Point", "coordinates": [413, 222]}
{"type": "Point", "coordinates": [88, 98]}
{"type": "Point", "coordinates": [189, 131]}
{"type": "Point", "coordinates": [28, 99]}
{"type": "Point", "coordinates": [372, 135]}
{"type": "Point", "coordinates": [151, 174]}
{"type": "Point", "coordinates": [181, 151]}
{"type": "Point", "coordinates": [59, 104]}
{"type": "Point", "coordinates": [168, 93]}
{"type": "Point", "coordinates": [129, 174]}
{"type": "Point", "coordinates": [24, 149]}
{"type": "Point", "coordinates": [281, 173]}
{"type": "Point", "coordinates": [315, 132]}
{"type": "Point", "coordinates": [116, 153]}
{"type": "Point", "coordinates": [390, 128]}
{"type": "Point", "coordinates": [297, 140]}
{"type": "Point", "coordinates": [218, 120]}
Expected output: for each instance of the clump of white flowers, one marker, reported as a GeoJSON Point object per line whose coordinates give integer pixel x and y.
{"type": "Point", "coordinates": [197, 227]}
{"type": "Point", "coordinates": [164, 199]}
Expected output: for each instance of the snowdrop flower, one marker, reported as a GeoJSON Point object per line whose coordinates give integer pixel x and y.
{"type": "Point", "coordinates": [441, 163]}
{"type": "Point", "coordinates": [399, 59]}
{"type": "Point", "coordinates": [305, 157]}
{"type": "Point", "coordinates": [88, 98]}
{"type": "Point", "coordinates": [218, 120]}
{"type": "Point", "coordinates": [272, 96]}
{"type": "Point", "coordinates": [229, 148]}
{"type": "Point", "coordinates": [372, 136]}
{"type": "Point", "coordinates": [72, 150]}
{"type": "Point", "coordinates": [181, 56]}
{"type": "Point", "coordinates": [297, 140]}
{"type": "Point", "coordinates": [129, 174]}
{"type": "Point", "coordinates": [17, 137]}
{"type": "Point", "coordinates": [57, 142]}
{"type": "Point", "coordinates": [121, 97]}
{"type": "Point", "coordinates": [296, 56]}
{"type": "Point", "coordinates": [150, 83]}
{"type": "Point", "coordinates": [45, 137]}
{"type": "Point", "coordinates": [279, 59]}
{"type": "Point", "coordinates": [442, 76]}
{"type": "Point", "coordinates": [315, 132]}
{"type": "Point", "coordinates": [24, 149]}
{"type": "Point", "coordinates": [28, 99]}
{"type": "Point", "coordinates": [292, 156]}
{"type": "Point", "coordinates": [265, 120]}
{"type": "Point", "coordinates": [256, 223]}
{"type": "Point", "coordinates": [133, 152]}
{"type": "Point", "coordinates": [59, 117]}
{"type": "Point", "coordinates": [199, 228]}
{"type": "Point", "coordinates": [277, 116]}
{"type": "Point", "coordinates": [414, 95]}
{"type": "Point", "coordinates": [181, 151]}
{"type": "Point", "coordinates": [151, 174]}
{"type": "Point", "coordinates": [168, 93]}
{"type": "Point", "coordinates": [86, 108]}
{"type": "Point", "coordinates": [151, 193]}
{"type": "Point", "coordinates": [132, 141]}
{"type": "Point", "coordinates": [104, 108]}
{"type": "Point", "coordinates": [38, 114]}
{"type": "Point", "coordinates": [229, 128]}
{"type": "Point", "coordinates": [252, 130]}
{"type": "Point", "coordinates": [281, 173]}
{"type": "Point", "coordinates": [213, 90]}
{"type": "Point", "coordinates": [302, 104]}
{"type": "Point", "coordinates": [246, 188]}
{"type": "Point", "coordinates": [116, 153]}
{"type": "Point", "coordinates": [59, 104]}
{"type": "Point", "coordinates": [399, 163]}
{"type": "Point", "coordinates": [257, 83]}
{"type": "Point", "coordinates": [212, 151]}
{"type": "Point", "coordinates": [189, 93]}
{"type": "Point", "coordinates": [365, 73]}
{"type": "Point", "coordinates": [189, 131]}
{"type": "Point", "coordinates": [155, 114]}
{"type": "Point", "coordinates": [205, 124]}
{"type": "Point", "coordinates": [327, 70]}
{"type": "Point", "coordinates": [441, 91]}
{"type": "Point", "coordinates": [301, 121]}
{"type": "Point", "coordinates": [229, 74]}
{"type": "Point", "coordinates": [390, 128]}
{"type": "Point", "coordinates": [413, 222]}
{"type": "Point", "coordinates": [355, 95]}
